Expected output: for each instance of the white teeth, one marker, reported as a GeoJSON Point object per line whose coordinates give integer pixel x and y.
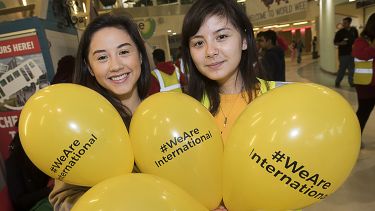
{"type": "Point", "coordinates": [120, 77]}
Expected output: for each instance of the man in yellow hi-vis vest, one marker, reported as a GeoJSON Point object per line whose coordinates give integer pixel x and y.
{"type": "Point", "coordinates": [166, 75]}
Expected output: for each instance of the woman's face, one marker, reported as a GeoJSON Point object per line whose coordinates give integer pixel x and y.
{"type": "Point", "coordinates": [115, 61]}
{"type": "Point", "coordinates": [216, 49]}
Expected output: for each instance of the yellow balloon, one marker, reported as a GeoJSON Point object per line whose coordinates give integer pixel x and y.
{"type": "Point", "coordinates": [137, 192]}
{"type": "Point", "coordinates": [74, 134]}
{"type": "Point", "coordinates": [290, 148]}
{"type": "Point", "coordinates": [175, 137]}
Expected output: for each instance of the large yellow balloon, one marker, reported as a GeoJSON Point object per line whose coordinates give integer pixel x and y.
{"type": "Point", "coordinates": [175, 137]}
{"type": "Point", "coordinates": [133, 192]}
{"type": "Point", "coordinates": [290, 148]}
{"type": "Point", "coordinates": [74, 134]}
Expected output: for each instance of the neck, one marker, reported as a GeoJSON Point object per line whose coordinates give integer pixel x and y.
{"type": "Point", "coordinates": [131, 100]}
{"type": "Point", "coordinates": [232, 86]}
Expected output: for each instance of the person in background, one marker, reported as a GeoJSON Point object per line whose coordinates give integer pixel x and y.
{"type": "Point", "coordinates": [166, 75]}
{"type": "Point", "coordinates": [314, 43]}
{"type": "Point", "coordinates": [299, 48]}
{"type": "Point", "coordinates": [292, 48]}
{"type": "Point", "coordinates": [64, 71]}
{"type": "Point", "coordinates": [273, 60]}
{"type": "Point", "coordinates": [344, 39]}
{"type": "Point", "coordinates": [27, 185]}
{"type": "Point", "coordinates": [259, 49]}
{"type": "Point", "coordinates": [364, 49]}
{"type": "Point", "coordinates": [112, 60]}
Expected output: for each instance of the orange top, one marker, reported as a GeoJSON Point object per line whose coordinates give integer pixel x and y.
{"type": "Point", "coordinates": [231, 106]}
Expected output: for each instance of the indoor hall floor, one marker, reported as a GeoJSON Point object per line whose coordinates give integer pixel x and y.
{"type": "Point", "coordinates": [358, 192]}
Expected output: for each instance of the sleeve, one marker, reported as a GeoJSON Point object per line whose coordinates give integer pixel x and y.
{"type": "Point", "coordinates": [362, 50]}
{"type": "Point", "coordinates": [21, 195]}
{"type": "Point", "coordinates": [338, 37]}
{"type": "Point", "coordinates": [64, 195]}
{"type": "Point", "coordinates": [155, 87]}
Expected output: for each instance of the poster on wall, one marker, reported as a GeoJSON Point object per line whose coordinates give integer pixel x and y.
{"type": "Point", "coordinates": [261, 10]}
{"type": "Point", "coordinates": [22, 72]}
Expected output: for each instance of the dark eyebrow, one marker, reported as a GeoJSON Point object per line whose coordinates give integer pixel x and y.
{"type": "Point", "coordinates": [217, 31]}
{"type": "Point", "coordinates": [119, 46]}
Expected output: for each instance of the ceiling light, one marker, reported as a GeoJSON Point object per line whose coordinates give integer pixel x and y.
{"type": "Point", "coordinates": [300, 23]}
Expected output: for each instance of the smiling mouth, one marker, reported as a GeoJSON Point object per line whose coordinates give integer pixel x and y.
{"type": "Point", "coordinates": [119, 77]}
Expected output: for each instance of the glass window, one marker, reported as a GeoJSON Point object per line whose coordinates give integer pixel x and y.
{"type": "Point", "coordinates": [29, 71]}
{"type": "Point", "coordinates": [16, 74]}
{"type": "Point", "coordinates": [2, 92]}
{"type": "Point", "coordinates": [9, 78]}
{"type": "Point", "coordinates": [24, 74]}
{"type": "Point", "coordinates": [3, 83]}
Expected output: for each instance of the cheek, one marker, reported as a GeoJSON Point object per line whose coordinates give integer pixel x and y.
{"type": "Point", "coordinates": [99, 70]}
{"type": "Point", "coordinates": [196, 56]}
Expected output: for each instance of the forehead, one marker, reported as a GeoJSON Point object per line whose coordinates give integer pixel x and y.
{"type": "Point", "coordinates": [215, 22]}
{"type": "Point", "coordinates": [110, 36]}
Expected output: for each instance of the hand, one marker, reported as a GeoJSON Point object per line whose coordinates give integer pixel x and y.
{"type": "Point", "coordinates": [220, 208]}
{"type": "Point", "coordinates": [344, 42]}
{"type": "Point", "coordinates": [51, 183]}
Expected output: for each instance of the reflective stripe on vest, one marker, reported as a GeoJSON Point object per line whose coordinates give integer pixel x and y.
{"type": "Point", "coordinates": [168, 82]}
{"type": "Point", "coordinates": [362, 71]}
{"type": "Point", "coordinates": [182, 69]}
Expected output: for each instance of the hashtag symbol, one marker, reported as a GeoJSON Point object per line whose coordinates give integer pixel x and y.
{"type": "Point", "coordinates": [278, 156]}
{"type": "Point", "coordinates": [163, 148]}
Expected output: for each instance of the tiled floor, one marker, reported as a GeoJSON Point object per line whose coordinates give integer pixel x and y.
{"type": "Point", "coordinates": [358, 192]}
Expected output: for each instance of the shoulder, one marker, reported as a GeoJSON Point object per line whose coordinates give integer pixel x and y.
{"type": "Point", "coordinates": [353, 29]}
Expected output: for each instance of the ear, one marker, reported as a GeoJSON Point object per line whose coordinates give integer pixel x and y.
{"type": "Point", "coordinates": [244, 44]}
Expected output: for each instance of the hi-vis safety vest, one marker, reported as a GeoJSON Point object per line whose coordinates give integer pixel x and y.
{"type": "Point", "coordinates": [168, 82]}
{"type": "Point", "coordinates": [263, 89]}
{"type": "Point", "coordinates": [362, 72]}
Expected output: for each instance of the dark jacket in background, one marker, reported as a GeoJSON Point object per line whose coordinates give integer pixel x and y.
{"type": "Point", "coordinates": [273, 63]}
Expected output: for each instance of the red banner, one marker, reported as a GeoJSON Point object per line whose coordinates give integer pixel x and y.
{"type": "Point", "coordinates": [19, 46]}
{"type": "Point", "coordinates": [8, 129]}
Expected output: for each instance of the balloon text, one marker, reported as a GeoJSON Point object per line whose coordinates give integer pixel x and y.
{"type": "Point", "coordinates": [74, 153]}
{"type": "Point", "coordinates": [294, 167]}
{"type": "Point", "coordinates": [180, 150]}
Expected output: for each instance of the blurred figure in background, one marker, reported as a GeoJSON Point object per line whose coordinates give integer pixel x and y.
{"type": "Point", "coordinates": [299, 48]}
{"type": "Point", "coordinates": [273, 60]}
{"type": "Point", "coordinates": [364, 49]}
{"type": "Point", "coordinates": [27, 185]}
{"type": "Point", "coordinates": [64, 71]}
{"type": "Point", "coordinates": [314, 43]}
{"type": "Point", "coordinates": [344, 39]}
{"type": "Point", "coordinates": [166, 75]}
{"type": "Point", "coordinates": [292, 48]}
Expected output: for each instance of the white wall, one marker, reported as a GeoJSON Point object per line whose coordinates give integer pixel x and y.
{"type": "Point", "coordinates": [61, 44]}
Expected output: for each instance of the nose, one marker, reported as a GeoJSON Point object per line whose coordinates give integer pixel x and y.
{"type": "Point", "coordinates": [116, 64]}
{"type": "Point", "coordinates": [211, 50]}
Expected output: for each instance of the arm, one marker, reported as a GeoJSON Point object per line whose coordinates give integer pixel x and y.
{"type": "Point", "coordinates": [26, 184]}
{"type": "Point", "coordinates": [338, 40]}
{"type": "Point", "coordinates": [64, 195]}
{"type": "Point", "coordinates": [363, 50]}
